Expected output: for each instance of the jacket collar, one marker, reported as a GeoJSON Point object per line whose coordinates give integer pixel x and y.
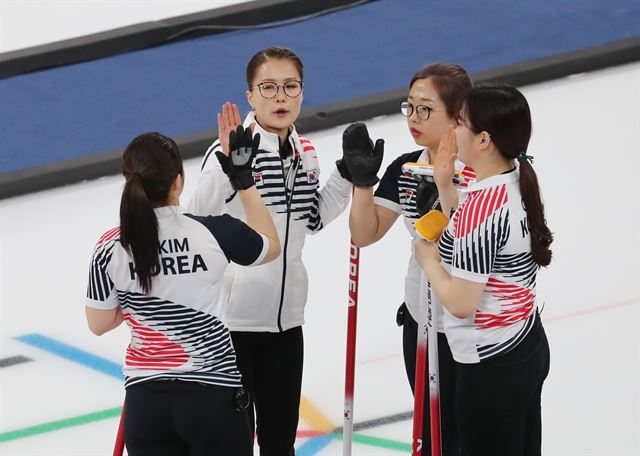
{"type": "Point", "coordinates": [271, 141]}
{"type": "Point", "coordinates": [166, 211]}
{"type": "Point", "coordinates": [493, 181]}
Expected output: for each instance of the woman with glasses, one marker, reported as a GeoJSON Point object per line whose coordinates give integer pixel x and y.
{"type": "Point", "coordinates": [265, 306]}
{"type": "Point", "coordinates": [435, 96]}
{"type": "Point", "coordinates": [161, 272]}
{"type": "Point", "coordinates": [483, 271]}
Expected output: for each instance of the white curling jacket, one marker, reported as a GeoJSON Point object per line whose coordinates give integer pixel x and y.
{"type": "Point", "coordinates": [272, 297]}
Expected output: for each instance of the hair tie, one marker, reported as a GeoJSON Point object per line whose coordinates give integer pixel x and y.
{"type": "Point", "coordinates": [522, 156]}
{"type": "Point", "coordinates": [135, 174]}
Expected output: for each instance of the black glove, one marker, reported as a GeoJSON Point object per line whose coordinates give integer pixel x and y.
{"type": "Point", "coordinates": [239, 164]}
{"type": "Point", "coordinates": [344, 170]}
{"type": "Point", "coordinates": [427, 197]}
{"type": "Point", "coordinates": [363, 159]}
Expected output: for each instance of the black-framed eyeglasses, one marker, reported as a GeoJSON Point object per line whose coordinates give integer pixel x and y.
{"type": "Point", "coordinates": [270, 89]}
{"type": "Point", "coordinates": [423, 111]}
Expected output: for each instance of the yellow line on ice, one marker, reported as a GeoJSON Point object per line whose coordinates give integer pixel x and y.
{"type": "Point", "coordinates": [312, 415]}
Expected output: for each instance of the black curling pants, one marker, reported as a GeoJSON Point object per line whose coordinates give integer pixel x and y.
{"type": "Point", "coordinates": [182, 418]}
{"type": "Point", "coordinates": [498, 400]}
{"type": "Point", "coordinates": [447, 368]}
{"type": "Point", "coordinates": [271, 368]}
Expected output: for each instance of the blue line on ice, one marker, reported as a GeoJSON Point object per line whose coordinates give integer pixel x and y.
{"type": "Point", "coordinates": [73, 354]}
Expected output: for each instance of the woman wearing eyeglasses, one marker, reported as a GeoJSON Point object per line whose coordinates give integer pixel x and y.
{"type": "Point", "coordinates": [265, 305]}
{"type": "Point", "coordinates": [435, 96]}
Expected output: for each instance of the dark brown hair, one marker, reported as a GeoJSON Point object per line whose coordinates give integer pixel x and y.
{"type": "Point", "coordinates": [150, 164]}
{"type": "Point", "coordinates": [503, 112]}
{"type": "Point", "coordinates": [451, 81]}
{"type": "Point", "coordinates": [270, 53]}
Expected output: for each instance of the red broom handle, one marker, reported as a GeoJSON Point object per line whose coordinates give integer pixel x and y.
{"type": "Point", "coordinates": [352, 317]}
{"type": "Point", "coordinates": [118, 449]}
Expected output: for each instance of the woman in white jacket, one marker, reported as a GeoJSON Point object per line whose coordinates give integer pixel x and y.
{"type": "Point", "coordinates": [265, 305]}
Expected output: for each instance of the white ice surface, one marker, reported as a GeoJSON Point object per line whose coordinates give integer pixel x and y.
{"type": "Point", "coordinates": [586, 144]}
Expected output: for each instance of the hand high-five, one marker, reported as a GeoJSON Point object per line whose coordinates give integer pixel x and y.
{"type": "Point", "coordinates": [238, 165]}
{"type": "Point", "coordinates": [228, 121]}
{"type": "Point", "coordinates": [363, 159]}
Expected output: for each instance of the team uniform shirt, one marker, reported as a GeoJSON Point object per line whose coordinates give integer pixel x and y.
{"type": "Point", "coordinates": [487, 241]}
{"type": "Point", "coordinates": [272, 297]}
{"type": "Point", "coordinates": [176, 332]}
{"type": "Point", "coordinates": [398, 193]}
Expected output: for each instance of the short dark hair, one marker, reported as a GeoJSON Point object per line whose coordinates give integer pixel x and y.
{"type": "Point", "coordinates": [273, 52]}
{"type": "Point", "coordinates": [451, 81]}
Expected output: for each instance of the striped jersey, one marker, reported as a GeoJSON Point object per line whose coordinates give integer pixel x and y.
{"type": "Point", "coordinates": [398, 193]}
{"type": "Point", "coordinates": [272, 297]}
{"type": "Point", "coordinates": [487, 241]}
{"type": "Point", "coordinates": [176, 331]}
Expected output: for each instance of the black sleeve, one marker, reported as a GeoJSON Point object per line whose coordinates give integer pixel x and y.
{"type": "Point", "coordinates": [388, 188]}
{"type": "Point", "coordinates": [239, 242]}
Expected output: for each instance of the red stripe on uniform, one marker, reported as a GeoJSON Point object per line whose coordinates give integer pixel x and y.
{"type": "Point", "coordinates": [109, 235]}
{"type": "Point", "coordinates": [479, 207]}
{"type": "Point", "coordinates": [469, 174]}
{"type": "Point", "coordinates": [517, 305]}
{"type": "Point", "coordinates": [487, 203]}
{"type": "Point", "coordinates": [151, 349]}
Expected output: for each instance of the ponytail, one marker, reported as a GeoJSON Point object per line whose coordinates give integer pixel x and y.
{"type": "Point", "coordinates": [541, 236]}
{"type": "Point", "coordinates": [150, 164]}
{"type": "Point", "coordinates": [139, 230]}
{"type": "Point", "coordinates": [503, 112]}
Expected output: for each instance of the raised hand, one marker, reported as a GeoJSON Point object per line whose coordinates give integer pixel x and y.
{"type": "Point", "coordinates": [228, 121]}
{"type": "Point", "coordinates": [238, 164]}
{"type": "Point", "coordinates": [362, 157]}
{"type": "Point", "coordinates": [444, 165]}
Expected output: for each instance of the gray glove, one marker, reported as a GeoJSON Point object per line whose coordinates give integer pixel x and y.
{"type": "Point", "coordinates": [238, 166]}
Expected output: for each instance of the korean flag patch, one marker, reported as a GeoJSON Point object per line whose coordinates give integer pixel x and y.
{"type": "Point", "coordinates": [312, 176]}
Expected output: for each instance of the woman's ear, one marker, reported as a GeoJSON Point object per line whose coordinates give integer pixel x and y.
{"type": "Point", "coordinates": [485, 140]}
{"type": "Point", "coordinates": [249, 94]}
{"type": "Point", "coordinates": [178, 183]}
{"type": "Point", "coordinates": [176, 190]}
